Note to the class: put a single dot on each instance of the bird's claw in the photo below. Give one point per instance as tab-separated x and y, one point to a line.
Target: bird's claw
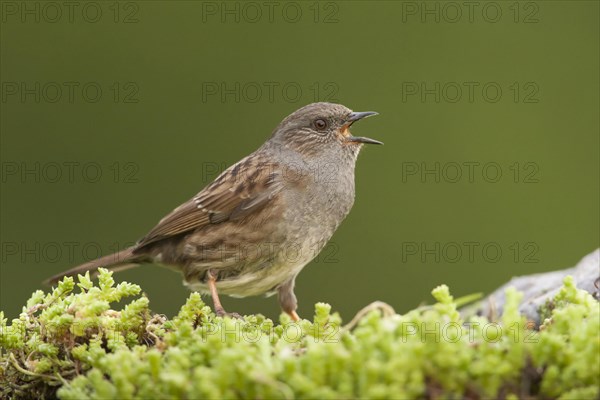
222	313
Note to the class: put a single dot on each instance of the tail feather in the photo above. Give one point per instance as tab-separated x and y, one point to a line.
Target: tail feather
119	261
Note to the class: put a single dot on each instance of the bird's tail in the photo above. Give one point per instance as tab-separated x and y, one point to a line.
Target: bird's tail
119	261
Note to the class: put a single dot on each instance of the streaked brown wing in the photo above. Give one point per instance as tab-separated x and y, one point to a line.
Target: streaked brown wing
239	191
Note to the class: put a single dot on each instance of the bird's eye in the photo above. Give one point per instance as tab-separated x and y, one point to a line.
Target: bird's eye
320	124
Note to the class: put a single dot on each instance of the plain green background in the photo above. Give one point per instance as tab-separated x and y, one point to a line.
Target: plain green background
362	54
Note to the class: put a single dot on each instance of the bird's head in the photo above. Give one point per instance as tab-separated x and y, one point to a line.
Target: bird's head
321	129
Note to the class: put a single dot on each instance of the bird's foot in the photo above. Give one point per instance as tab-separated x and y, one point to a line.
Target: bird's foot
220	311
295	317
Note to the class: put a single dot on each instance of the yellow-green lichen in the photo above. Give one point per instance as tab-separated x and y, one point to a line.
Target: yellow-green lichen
77	346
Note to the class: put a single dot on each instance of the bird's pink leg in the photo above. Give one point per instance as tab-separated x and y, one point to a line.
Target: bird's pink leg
212	285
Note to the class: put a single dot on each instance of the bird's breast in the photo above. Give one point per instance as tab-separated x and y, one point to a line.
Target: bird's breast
317	205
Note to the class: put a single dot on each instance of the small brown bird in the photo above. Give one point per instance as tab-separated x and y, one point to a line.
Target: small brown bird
253	229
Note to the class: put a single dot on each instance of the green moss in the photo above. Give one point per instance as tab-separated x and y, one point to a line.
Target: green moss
77	346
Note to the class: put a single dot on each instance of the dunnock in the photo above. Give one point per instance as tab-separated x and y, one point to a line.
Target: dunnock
253	229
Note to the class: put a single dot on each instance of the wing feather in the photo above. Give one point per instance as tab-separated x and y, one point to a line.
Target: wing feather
238	192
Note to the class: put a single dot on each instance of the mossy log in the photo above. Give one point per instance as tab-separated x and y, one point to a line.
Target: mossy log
75	343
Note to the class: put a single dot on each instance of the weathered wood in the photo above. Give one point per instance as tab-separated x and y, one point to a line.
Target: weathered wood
538	289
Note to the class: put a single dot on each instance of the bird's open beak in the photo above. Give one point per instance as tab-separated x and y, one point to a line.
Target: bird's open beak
352	118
